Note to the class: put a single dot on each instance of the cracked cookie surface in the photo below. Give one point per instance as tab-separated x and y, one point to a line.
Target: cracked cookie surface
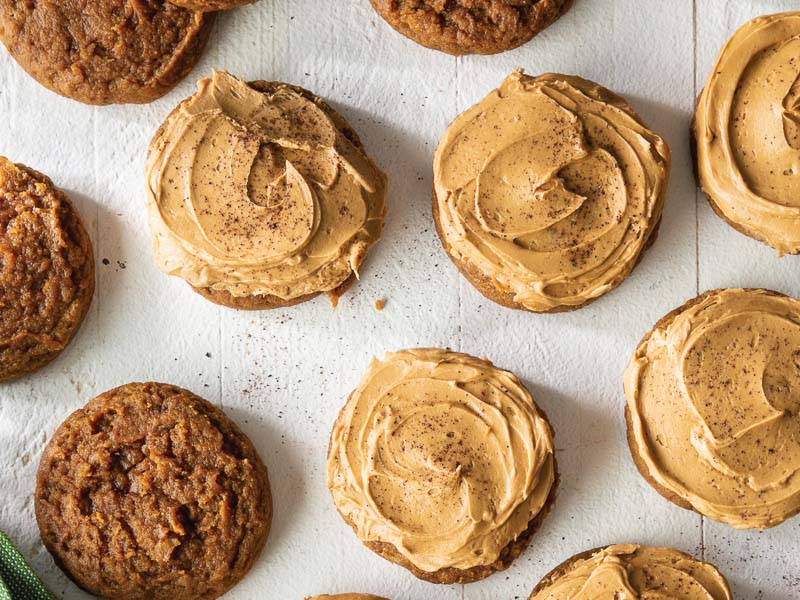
104	51
150	492
470	26
211	5
46	270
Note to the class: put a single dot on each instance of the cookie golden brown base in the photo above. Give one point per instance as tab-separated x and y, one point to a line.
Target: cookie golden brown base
104	51
486	286
47	281
641	466
266	302
473	27
507	555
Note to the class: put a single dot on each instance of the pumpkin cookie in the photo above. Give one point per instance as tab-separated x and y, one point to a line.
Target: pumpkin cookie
443	464
470	26
46	270
746	132
713	398
210	5
548	191
150	492
633	571
261	196
104	51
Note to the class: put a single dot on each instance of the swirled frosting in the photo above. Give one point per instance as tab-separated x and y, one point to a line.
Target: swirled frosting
442	455
714	403
260	193
630	572
747	128
551	187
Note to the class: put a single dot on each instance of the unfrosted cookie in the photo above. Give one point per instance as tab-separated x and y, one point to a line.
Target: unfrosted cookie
46	270
151	493
470	26
104	51
260	195
210	5
443	464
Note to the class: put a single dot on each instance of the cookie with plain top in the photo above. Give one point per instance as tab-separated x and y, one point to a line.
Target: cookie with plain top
104	51
261	196
47	278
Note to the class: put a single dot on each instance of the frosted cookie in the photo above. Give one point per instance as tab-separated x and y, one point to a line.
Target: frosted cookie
104	51
713	397
747	132
150	492
633	571
46	270
547	192
442	463
470	26
260	195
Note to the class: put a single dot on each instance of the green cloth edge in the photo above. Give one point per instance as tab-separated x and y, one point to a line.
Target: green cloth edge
17	579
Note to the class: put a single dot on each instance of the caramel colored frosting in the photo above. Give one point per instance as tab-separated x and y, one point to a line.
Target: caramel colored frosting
260	193
714	403
630	572
551	187
443	456
747	127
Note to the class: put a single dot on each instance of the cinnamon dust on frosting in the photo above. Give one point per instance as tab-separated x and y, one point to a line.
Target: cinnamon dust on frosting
258	193
442	455
714	403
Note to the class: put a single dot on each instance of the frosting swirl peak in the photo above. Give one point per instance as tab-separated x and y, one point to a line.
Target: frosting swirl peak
713	402
631	572
551	187
747	129
443	456
261	192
